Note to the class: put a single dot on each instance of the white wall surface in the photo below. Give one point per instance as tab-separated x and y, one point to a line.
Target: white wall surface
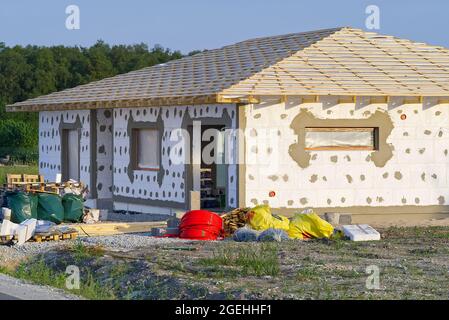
417	174
145	184
50	142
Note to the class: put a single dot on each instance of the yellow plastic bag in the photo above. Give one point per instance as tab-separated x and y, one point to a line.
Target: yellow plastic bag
260	218
308	226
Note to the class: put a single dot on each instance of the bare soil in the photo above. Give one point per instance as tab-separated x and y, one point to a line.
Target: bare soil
413	263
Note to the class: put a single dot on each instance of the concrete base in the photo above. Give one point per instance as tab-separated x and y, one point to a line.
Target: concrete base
135	217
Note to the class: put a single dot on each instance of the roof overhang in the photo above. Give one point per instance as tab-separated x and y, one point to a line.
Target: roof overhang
228	99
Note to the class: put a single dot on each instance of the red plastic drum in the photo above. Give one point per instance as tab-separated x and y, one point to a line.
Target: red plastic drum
201	225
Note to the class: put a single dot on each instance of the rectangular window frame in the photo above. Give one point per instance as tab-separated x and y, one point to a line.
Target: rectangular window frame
135	148
374	130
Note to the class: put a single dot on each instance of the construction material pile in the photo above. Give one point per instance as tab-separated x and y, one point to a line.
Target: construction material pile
28	203
259	224
234	220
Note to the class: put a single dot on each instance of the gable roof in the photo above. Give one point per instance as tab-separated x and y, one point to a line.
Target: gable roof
340	61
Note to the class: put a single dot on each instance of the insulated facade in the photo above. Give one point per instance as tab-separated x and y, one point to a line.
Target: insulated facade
341	120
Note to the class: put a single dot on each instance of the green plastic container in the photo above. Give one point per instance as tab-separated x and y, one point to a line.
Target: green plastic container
49	207
23	205
73	207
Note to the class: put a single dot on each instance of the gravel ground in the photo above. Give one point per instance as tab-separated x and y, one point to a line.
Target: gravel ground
12	254
132	241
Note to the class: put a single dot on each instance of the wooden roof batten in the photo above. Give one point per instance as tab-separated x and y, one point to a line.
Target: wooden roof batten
340	62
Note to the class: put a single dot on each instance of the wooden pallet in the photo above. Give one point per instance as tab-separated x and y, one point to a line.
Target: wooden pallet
43	237
5	239
55	237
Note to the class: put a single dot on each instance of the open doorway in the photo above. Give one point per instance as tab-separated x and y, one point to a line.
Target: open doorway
210	172
213	176
70	151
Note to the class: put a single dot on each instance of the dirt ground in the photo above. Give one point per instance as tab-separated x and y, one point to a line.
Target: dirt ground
413	263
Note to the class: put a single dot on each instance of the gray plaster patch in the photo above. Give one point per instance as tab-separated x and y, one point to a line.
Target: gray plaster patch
334	159
385	175
423	176
417	200
303	201
398	175
441	200
422	150
343	199
349	178
283	116
348	158
257	116
437	113
305	119
440	134
434	176
324	178
273	177
362	177
253	133
404	200
329	201
369	200
254	201
427	132
314	156
407	150
405	134
290	202
313	178
250	177
285	178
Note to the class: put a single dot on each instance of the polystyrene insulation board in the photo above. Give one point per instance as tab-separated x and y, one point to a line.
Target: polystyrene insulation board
361	232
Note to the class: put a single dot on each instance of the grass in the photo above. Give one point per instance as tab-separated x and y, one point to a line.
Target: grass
82	252
39	273
250	261
4	170
412	264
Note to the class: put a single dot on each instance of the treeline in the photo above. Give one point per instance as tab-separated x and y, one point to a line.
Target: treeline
31	71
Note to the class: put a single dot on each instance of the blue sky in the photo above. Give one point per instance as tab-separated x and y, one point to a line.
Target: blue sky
201	24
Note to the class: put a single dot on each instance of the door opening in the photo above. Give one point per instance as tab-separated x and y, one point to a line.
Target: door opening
212	168
70	154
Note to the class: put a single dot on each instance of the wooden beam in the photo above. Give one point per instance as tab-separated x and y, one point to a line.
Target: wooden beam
112	228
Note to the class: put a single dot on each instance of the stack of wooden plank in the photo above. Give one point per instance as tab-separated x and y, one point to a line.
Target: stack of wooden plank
112	228
234	220
36	183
